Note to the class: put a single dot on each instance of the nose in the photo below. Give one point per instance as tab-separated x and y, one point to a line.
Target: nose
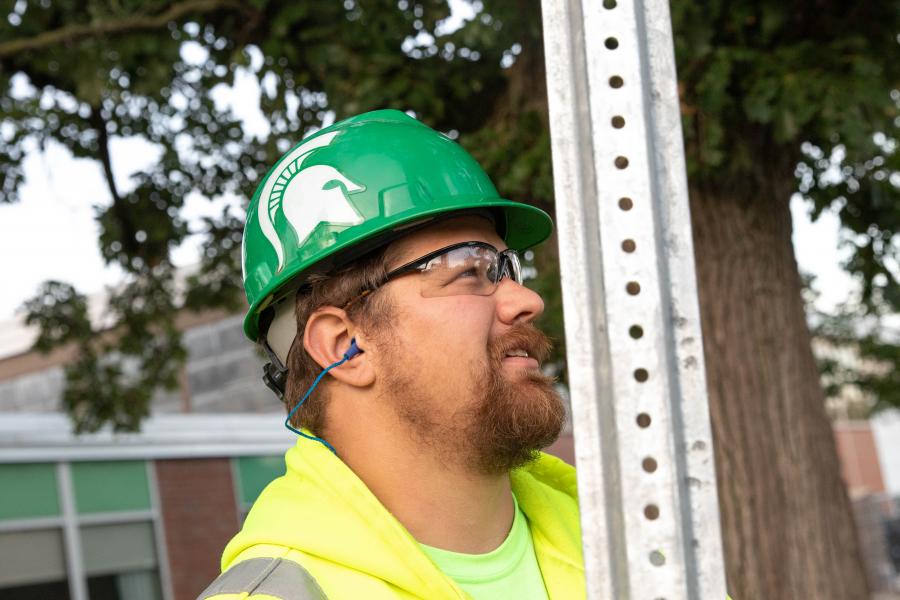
516	303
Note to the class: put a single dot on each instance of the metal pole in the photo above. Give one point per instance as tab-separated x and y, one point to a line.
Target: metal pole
646	473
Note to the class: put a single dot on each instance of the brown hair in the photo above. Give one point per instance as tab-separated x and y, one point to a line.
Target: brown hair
333	289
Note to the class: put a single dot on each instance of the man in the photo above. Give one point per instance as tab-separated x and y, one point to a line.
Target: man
384	284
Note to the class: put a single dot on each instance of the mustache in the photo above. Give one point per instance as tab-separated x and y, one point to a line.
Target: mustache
522	336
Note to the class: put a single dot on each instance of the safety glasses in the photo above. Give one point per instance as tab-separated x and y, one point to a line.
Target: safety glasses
467	268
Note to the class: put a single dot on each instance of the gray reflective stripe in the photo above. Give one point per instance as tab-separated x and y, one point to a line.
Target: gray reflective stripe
276	577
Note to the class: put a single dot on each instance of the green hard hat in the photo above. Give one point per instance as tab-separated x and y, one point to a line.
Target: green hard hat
351	187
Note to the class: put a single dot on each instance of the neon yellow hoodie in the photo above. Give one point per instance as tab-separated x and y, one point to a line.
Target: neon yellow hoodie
322	516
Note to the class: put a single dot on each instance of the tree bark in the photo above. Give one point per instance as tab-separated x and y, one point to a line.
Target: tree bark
787	524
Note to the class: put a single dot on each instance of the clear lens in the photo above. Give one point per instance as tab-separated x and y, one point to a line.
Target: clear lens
469	270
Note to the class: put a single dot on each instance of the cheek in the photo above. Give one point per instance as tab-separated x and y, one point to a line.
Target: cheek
449	332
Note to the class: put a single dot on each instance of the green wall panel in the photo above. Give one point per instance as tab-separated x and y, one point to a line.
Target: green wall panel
110	486
255	473
28	490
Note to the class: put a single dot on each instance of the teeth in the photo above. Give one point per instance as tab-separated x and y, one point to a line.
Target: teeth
517	353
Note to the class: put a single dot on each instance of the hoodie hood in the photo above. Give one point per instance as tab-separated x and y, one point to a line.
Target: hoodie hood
322	509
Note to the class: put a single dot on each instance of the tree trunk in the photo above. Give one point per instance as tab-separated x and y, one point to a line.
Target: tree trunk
787	525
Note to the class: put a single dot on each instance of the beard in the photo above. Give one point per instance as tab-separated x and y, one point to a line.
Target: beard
505	423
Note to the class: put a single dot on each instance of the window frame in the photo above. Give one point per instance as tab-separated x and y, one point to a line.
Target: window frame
69	522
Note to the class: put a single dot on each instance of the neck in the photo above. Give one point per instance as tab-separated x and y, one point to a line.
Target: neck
442	505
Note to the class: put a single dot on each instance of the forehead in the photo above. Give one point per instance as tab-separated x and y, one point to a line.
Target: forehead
469	228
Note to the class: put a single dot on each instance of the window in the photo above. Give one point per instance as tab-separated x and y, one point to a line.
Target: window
85	529
120	561
32	556
33	564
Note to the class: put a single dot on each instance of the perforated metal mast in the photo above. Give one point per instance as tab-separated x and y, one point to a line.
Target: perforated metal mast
650	519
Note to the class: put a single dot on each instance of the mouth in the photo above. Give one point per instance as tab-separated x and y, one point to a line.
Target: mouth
521	348
519	358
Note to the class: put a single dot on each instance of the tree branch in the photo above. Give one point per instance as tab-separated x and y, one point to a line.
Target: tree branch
137	22
99	124
118	208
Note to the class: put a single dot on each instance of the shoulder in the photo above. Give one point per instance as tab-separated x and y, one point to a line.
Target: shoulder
269	578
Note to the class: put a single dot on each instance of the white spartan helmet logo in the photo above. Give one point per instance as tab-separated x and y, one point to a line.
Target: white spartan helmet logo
308	196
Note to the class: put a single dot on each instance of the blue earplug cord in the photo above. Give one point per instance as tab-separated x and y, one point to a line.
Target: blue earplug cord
352	351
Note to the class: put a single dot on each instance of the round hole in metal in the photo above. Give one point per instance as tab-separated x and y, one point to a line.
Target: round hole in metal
643	420
611	43
628	246
609	4
625	203
649	464
621	162
616	82
651	511
636	331
633	288
618	122
641	375
657	558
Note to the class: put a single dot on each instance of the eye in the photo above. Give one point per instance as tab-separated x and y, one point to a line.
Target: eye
491	273
470	276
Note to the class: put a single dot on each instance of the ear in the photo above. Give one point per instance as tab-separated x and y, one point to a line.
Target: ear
327	337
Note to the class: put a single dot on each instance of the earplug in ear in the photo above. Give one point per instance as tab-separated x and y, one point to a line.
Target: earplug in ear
353	350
